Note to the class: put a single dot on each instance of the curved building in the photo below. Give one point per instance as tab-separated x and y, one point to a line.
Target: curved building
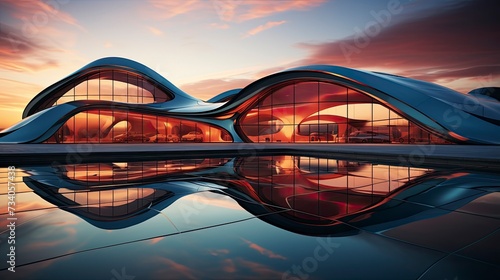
116	100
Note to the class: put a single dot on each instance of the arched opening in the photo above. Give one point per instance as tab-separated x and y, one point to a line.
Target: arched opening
319	111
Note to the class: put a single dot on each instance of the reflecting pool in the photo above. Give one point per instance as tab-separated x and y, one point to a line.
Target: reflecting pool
265	217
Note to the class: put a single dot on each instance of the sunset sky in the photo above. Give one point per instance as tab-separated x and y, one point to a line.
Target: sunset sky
209	46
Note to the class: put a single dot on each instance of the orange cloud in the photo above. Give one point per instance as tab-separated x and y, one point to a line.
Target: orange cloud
14	96
239	11
263	251
165	9
155	31
229	10
219	25
108	45
263	27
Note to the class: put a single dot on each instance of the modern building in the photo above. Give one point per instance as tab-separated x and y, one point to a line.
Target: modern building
116	100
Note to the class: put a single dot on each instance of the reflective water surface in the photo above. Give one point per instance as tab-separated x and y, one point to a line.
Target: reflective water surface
266	217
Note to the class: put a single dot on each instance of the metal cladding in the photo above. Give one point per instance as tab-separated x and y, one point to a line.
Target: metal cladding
472	118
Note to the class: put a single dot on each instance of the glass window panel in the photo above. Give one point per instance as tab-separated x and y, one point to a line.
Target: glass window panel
83	97
355	96
380	112
283	95
225	136
304	110
306	92
120	76
417	135
106	120
359	112
81	89
285	134
120	98
163	127
266	102
252	132
161	98
106	87
94	124
106	97
120	88
285	113
332	92
394	115
93	87
135	120
149	99
65	99
133	99
335	110
149	126
437	140
81	129
382	132
251	117
69	93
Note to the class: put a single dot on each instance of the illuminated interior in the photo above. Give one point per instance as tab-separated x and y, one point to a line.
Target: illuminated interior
116	126
314	111
113	85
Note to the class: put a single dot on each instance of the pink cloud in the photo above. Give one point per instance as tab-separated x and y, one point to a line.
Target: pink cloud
28	47
166	9
16	49
36	13
239	11
263	27
219	25
155	31
461	41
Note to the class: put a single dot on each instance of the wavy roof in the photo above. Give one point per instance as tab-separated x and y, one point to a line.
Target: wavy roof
457	117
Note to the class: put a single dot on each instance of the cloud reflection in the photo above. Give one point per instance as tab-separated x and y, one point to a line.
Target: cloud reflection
263	251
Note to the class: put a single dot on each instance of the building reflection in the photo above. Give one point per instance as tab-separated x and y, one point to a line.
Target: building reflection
306	195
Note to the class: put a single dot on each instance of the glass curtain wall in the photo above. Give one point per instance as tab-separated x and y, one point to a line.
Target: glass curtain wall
312	111
114	85
115	126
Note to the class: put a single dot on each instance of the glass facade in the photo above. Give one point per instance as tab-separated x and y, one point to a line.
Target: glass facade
116	126
114	85
313	111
